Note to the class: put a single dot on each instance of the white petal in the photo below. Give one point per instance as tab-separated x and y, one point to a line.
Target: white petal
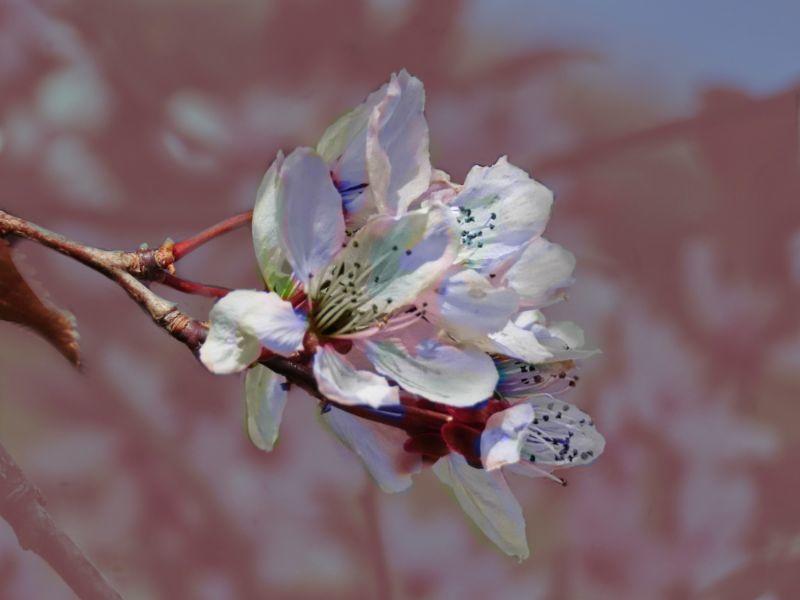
528	318
568	332
537	344
436	371
265	398
398	162
242	323
560	435
500	210
541	273
385	267
440	191
379	446
339	380
399	137
266	231
468	306
487	499
518	343
504	435
309	211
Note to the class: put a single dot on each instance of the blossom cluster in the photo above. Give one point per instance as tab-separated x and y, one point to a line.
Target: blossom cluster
417	299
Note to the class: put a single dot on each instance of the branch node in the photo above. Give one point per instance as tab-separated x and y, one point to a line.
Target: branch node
147	263
184	328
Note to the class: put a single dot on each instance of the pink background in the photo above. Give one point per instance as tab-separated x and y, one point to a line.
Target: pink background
675	166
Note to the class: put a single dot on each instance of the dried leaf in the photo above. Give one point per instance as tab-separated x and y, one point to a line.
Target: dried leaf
20	304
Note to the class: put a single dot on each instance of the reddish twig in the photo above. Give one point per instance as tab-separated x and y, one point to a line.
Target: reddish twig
191	287
184	247
22	506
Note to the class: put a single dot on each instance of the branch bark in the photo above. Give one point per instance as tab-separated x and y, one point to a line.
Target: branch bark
22	506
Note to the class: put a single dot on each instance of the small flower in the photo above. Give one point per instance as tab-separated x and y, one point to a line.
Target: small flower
503	262
530	438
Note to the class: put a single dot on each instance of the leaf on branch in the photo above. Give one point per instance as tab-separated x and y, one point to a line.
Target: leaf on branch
20	304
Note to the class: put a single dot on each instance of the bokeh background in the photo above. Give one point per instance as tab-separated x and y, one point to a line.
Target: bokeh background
669	132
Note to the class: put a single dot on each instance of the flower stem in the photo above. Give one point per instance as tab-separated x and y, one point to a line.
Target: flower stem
184	247
192	287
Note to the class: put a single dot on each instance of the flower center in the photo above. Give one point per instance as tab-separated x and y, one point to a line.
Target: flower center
551	437
474	226
519	379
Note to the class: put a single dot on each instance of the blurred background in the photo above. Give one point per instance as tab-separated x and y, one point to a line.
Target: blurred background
669	133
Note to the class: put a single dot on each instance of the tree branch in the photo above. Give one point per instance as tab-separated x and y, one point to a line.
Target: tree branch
22	506
128	269
131	271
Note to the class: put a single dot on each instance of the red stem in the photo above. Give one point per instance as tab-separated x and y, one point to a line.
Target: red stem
192	287
184	247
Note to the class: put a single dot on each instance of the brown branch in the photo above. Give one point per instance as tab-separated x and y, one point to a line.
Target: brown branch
22	506
141	263
130	270
127	269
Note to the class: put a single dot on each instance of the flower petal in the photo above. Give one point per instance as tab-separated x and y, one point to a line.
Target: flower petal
438	372
560	435
468	306
504	435
275	269
518	343
242	323
309	211
392	117
563	340
339	380
500	210
379	446
541	273
398	162
487	499
385	267
265	398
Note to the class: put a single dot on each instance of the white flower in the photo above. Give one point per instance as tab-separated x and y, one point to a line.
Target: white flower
503	262
531	438
355	287
386	278
539	435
